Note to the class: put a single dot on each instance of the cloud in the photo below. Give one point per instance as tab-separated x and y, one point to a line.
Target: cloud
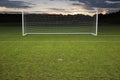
113	2
13	4
99	3
59	5
57	9
77	3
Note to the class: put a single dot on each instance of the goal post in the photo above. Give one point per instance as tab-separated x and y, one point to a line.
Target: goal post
23	29
60	22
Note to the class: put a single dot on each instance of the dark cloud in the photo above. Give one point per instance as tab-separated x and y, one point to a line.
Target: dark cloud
113	2
57	9
13	4
98	3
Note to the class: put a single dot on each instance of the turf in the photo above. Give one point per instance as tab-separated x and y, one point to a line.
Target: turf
60	57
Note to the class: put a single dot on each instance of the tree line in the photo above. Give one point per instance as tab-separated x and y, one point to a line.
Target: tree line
109	19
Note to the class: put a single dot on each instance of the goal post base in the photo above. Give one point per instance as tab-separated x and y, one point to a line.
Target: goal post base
60	34
94	34
24	34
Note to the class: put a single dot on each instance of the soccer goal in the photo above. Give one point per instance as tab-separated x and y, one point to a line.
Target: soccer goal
60	22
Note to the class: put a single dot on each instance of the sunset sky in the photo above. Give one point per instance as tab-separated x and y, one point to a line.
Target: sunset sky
104	6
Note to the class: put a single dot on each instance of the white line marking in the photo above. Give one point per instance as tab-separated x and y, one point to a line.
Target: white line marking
62	35
108	35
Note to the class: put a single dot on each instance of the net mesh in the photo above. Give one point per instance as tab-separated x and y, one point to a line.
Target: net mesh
46	22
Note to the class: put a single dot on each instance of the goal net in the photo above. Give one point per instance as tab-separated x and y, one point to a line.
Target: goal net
60	22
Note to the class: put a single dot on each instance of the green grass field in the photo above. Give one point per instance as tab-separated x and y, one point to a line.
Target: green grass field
60	57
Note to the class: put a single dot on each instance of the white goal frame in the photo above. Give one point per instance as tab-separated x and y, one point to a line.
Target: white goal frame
96	26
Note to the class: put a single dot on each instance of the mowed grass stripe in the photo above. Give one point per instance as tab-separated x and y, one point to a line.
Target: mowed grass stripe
67	41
